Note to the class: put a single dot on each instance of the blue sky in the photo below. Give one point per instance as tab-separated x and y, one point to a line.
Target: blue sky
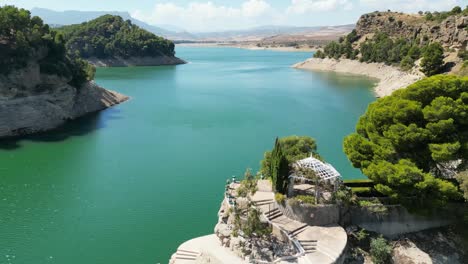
216	15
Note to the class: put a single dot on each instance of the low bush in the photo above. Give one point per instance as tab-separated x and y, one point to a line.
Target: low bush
306	199
380	250
280	198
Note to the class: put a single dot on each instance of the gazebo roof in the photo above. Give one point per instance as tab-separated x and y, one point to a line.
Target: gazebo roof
322	169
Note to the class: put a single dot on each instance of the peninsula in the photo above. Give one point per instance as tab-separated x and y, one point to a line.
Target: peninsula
110	41
42	85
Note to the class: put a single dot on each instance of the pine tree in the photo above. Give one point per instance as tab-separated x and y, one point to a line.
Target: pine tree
433	59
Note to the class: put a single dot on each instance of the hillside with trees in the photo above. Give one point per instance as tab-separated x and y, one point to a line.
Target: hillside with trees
110	36
427	41
42	84
24	39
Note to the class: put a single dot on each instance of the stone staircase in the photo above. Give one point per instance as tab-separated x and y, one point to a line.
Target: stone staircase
297	231
310	246
273	214
184	256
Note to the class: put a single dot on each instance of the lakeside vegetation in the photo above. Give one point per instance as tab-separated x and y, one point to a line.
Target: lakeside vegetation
24	39
410	142
110	36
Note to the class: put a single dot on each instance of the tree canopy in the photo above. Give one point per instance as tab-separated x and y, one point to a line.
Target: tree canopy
24	38
287	150
433	59
294	148
111	36
409	141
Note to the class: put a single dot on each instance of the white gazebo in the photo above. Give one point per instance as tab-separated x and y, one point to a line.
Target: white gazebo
324	171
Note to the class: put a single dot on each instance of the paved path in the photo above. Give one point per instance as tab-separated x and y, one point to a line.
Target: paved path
208	249
322	244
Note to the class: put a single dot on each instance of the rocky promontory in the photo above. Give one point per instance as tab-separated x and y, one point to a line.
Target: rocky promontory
31	101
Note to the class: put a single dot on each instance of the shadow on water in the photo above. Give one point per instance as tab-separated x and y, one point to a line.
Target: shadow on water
345	79
74	128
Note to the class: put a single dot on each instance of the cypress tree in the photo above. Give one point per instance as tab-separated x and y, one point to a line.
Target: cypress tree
274	163
279	169
283	173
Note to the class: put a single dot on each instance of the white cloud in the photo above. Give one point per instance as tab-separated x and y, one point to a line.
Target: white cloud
207	16
309	6
253	8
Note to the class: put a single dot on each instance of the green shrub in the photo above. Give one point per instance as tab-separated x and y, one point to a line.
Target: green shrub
463	54
380	250
374	206
280	198
253	225
248	186
361	235
306	199
462	179
344	196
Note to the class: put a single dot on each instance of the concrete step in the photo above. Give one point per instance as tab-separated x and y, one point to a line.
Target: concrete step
272	211
186	258
186	254
298	230
309	247
261	201
274	216
188	251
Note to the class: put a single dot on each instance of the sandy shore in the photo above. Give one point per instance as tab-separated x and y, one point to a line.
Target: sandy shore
390	78
248	46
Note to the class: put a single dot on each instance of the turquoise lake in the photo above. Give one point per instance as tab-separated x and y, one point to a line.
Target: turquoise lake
129	184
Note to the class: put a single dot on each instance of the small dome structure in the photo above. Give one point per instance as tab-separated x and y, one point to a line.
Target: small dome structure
323	170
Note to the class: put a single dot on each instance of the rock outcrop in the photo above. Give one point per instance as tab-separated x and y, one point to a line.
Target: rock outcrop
31	101
136	61
451	32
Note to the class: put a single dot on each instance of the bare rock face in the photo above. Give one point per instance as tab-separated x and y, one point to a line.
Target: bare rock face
31	102
136	61
450	33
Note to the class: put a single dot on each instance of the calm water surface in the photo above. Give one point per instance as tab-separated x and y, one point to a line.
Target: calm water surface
129	184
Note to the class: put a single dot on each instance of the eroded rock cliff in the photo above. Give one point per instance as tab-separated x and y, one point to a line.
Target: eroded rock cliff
31	101
452	32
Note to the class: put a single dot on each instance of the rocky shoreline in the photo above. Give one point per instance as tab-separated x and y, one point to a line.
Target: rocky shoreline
31	101
136	61
47	111
390	78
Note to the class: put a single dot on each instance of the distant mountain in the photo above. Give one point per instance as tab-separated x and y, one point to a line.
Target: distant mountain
70	17
171	32
271	31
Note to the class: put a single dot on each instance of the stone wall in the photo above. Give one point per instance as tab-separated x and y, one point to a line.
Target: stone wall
320	215
397	220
